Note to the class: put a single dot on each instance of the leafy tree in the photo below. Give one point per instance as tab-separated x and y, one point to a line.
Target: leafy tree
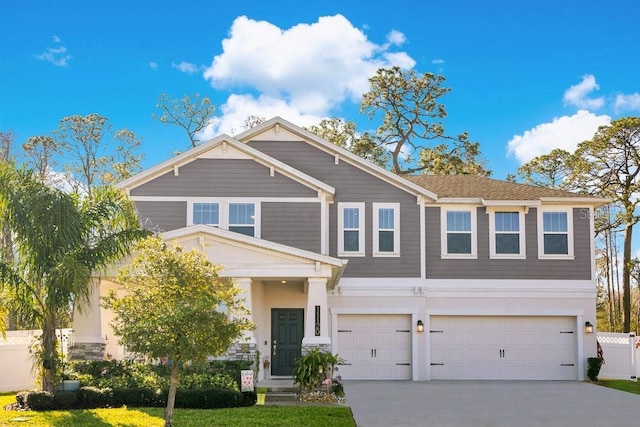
88	142
412	115
344	134
41	152
252	121
186	306
609	165
548	170
7	140
190	113
61	241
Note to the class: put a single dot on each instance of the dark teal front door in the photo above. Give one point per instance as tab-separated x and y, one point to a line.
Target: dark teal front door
287	328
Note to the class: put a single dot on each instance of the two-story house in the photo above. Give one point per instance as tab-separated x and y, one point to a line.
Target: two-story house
409	278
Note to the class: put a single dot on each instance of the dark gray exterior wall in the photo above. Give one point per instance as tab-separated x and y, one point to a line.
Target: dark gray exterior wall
292	224
354	185
223	178
162	216
530	268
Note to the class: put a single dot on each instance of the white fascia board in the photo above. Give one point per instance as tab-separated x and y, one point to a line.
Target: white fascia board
460	200
348	156
525	203
257	156
194	230
590	201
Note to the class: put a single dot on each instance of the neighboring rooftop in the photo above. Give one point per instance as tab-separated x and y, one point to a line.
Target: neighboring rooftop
474	186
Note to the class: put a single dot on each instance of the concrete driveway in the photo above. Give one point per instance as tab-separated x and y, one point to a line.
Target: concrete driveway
490	403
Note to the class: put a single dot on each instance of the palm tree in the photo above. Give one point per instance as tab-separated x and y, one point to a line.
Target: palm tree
61	242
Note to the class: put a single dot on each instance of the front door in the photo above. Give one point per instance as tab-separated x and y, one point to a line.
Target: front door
287	328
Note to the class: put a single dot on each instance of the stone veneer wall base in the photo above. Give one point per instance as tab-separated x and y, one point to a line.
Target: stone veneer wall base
87	351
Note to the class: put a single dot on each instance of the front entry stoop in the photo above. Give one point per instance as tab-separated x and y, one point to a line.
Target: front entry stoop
280	391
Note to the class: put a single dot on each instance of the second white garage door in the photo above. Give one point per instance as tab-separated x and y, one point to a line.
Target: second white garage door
508	347
375	347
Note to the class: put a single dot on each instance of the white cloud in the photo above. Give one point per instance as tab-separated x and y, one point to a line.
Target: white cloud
186	67
577	95
153	65
56	39
629	102
396	38
564	132
239	107
437	61
312	67
57	56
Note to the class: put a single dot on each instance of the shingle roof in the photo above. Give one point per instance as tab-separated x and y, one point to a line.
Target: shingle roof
474	186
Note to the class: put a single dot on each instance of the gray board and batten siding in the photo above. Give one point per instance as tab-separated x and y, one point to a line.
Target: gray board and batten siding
162	216
352	184
530	268
223	178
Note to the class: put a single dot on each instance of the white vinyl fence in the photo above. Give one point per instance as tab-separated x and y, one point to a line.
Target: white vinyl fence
16	363
621	355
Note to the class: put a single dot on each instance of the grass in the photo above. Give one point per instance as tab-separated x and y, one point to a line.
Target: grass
338	416
622	385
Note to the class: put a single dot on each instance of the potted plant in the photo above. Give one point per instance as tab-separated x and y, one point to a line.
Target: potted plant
261	393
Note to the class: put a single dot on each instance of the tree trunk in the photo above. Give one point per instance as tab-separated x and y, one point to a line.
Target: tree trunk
626	278
171	399
48	363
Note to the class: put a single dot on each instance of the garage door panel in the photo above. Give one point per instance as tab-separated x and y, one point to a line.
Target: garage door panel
503	347
377	346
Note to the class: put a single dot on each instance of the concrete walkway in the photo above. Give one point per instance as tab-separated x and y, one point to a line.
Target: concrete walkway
490	403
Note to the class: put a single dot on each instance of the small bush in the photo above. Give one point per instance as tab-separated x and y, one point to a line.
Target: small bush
136	397
250	398
593	368
64	399
37	400
94	397
209	398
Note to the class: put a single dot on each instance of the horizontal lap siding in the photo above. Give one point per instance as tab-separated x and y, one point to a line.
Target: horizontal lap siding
162	216
292	224
223	178
355	185
518	269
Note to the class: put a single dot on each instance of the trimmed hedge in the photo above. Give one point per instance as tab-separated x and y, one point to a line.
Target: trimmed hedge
92	397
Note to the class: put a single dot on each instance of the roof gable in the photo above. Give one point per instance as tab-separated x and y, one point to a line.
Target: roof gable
223	147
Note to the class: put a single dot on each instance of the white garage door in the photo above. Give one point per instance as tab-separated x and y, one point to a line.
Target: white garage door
374	347
509	347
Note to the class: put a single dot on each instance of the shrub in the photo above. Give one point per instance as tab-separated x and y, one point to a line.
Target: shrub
36	400
593	368
250	398
208	398
94	397
313	368
137	397
64	399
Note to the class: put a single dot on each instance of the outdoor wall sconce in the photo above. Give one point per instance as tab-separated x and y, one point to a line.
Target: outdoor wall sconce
588	328
420	326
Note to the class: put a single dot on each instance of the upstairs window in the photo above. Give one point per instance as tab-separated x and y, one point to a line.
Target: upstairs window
351	229
239	217
206	213
459	233
507	234
555	234
242	218
386	229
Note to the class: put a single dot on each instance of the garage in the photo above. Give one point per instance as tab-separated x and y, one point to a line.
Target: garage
375	346
503	347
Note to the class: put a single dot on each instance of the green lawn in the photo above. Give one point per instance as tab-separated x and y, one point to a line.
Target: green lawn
251	416
622	385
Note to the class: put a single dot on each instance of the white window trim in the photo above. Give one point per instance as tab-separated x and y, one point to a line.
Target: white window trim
224	212
491	211
396	229
474	231
569	212
361	240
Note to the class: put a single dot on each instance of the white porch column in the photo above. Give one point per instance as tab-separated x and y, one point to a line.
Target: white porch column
88	342
244	283
316	322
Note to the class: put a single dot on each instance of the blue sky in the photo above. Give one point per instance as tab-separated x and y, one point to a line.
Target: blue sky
525	77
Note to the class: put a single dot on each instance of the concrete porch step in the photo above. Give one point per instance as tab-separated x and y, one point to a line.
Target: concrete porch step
280	391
